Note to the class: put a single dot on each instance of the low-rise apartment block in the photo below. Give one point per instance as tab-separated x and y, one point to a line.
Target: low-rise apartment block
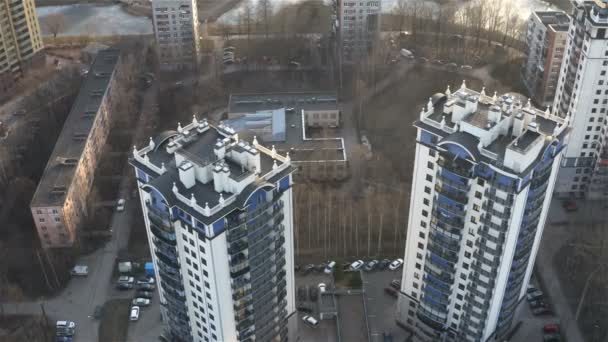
305	125
545	48
60	202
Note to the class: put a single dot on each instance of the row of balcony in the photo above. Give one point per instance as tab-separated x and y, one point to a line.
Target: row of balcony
453	195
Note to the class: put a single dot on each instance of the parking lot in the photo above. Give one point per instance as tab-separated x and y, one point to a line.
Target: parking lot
326	330
381	306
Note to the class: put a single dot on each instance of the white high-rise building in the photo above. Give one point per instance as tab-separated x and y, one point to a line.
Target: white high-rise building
545	47
582	96
176	29
219	216
359	27
483	177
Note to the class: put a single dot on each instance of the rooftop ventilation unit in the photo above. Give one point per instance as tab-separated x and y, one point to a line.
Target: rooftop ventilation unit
58	190
67	161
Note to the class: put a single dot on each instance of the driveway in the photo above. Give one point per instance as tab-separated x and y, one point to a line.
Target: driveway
381	307
78	300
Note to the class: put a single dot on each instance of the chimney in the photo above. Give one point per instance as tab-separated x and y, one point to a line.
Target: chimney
186	174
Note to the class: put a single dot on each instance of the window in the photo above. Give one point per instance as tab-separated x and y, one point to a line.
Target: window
419	256
461	286
475	207
429	178
430	165
39	212
425	201
421	235
201	249
41	219
473	220
469	243
467	254
455	316
463	276
418	266
413	305
208	295
465	265
420	245
478	194
480	182
425	213
422	224
414	295
427	190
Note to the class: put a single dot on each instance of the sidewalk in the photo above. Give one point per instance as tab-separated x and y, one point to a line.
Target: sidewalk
554	237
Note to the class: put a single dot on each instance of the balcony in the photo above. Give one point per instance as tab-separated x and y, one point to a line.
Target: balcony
161	219
453	195
170	261
457	166
237	247
163	236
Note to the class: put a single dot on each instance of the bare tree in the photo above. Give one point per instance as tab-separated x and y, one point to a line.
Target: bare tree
264	14
55	23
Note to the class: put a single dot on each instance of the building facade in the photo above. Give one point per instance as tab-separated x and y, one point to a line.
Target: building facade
60	202
359	28
20	39
545	47
219	216
484	166
582	96
176	28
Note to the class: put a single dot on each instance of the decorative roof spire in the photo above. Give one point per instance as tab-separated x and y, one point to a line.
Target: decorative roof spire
163	169
287	158
464	85
134	150
274	151
174	188
495	97
548	112
221	200
179	127
194	121
483	91
529	104
192	200
448	92
255	140
151	143
274	165
429	105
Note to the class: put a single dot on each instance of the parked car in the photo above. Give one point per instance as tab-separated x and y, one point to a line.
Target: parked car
126	279
531	288
322	288
65	328
313	292
423	60
371	265
134	316
569	206
120	205
452	66
64	338
80	270
534	295
320	267
20	112
391	292
395	264
293	64
144	294
345	266
229	48
124	286
330	267
541	311
355	266
147	286
313	322
98	312
383	264
552	328
145	280
466	67
552	338
396	284
537	304
308	268
141	302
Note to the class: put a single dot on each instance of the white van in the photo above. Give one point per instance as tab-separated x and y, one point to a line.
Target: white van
310	321
134	313
330	267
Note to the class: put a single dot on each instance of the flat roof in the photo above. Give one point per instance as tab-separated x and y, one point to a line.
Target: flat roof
251	103
67	153
304	144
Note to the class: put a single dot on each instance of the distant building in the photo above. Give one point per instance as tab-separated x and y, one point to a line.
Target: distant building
301	124
483	177
176	29
60	202
358	27
582	97
219	217
20	39
545	48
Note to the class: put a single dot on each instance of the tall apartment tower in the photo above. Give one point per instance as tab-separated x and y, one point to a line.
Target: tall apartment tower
359	27
545	47
484	166
176	29
582	97
219	217
19	38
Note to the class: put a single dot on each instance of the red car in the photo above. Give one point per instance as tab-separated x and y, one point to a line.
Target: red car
569	206
551	328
